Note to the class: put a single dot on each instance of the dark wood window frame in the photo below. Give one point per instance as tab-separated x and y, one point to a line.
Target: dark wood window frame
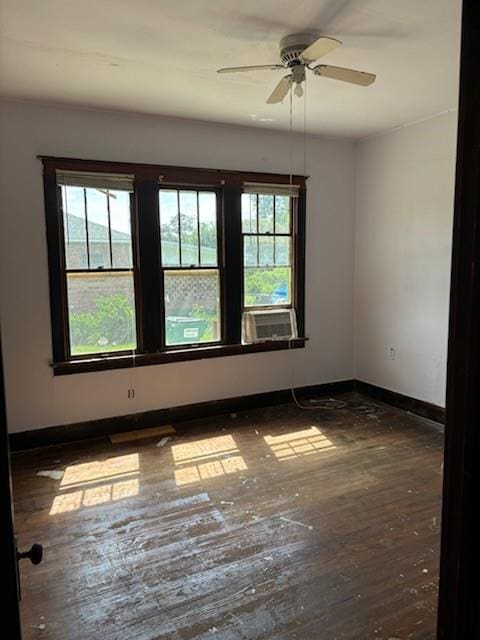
100	270
220	268
273	234
148	270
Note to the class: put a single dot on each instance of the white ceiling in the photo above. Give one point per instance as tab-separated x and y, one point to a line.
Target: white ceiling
160	57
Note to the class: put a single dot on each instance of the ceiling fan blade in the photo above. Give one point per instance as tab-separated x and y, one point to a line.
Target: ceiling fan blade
280	91
260	67
319	48
346	75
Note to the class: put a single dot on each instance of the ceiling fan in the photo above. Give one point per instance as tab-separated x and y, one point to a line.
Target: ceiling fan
297	53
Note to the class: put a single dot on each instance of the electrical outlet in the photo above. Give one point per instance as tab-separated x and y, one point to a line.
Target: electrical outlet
391	353
131	394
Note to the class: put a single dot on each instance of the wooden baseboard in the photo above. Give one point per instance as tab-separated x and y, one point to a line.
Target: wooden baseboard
118	424
406	403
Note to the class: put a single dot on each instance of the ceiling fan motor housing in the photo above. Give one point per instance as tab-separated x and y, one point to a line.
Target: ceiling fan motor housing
292	46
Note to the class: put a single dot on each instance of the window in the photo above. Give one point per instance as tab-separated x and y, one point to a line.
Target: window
160	262
191	274
97	231
267	248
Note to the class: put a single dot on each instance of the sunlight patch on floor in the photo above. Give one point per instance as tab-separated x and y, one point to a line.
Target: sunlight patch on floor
90	472
206	458
93	483
299	443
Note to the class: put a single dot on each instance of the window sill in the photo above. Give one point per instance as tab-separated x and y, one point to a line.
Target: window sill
123	361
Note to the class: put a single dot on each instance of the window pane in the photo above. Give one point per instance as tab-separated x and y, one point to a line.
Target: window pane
168	203
121	226
74	228
282	214
98	235
265	252
192	307
267	286
250	251
283	250
249	213
267	257
265	214
101	312
207	203
189	228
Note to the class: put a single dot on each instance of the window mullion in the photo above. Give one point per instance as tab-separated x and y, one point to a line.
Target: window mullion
87	239
107	195
258	231
274	229
198	232
232	221
179	230
150	275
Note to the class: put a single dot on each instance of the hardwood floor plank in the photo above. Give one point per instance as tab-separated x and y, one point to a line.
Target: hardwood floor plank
271	525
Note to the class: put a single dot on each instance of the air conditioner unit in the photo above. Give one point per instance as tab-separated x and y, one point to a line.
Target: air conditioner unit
270	324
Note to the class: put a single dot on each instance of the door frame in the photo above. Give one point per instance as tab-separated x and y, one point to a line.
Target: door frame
8	549
459	601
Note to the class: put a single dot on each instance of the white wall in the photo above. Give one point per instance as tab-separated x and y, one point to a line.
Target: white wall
34	397
402	269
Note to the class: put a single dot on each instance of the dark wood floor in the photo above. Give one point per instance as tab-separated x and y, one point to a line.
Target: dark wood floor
273	524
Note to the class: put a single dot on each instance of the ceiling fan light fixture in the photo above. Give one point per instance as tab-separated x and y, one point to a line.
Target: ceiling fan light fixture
298	91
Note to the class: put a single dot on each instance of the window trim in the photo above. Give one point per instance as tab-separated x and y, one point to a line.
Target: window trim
293	248
220	267
148	270
65	271
170	355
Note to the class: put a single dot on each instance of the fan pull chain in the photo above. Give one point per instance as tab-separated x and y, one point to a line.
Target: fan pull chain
291	135
292	386
305	127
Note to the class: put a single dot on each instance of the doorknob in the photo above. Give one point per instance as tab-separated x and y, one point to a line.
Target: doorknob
35	553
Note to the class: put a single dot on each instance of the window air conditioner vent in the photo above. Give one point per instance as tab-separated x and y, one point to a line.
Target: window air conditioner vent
271	324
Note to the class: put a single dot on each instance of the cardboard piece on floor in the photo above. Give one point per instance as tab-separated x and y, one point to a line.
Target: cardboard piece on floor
142	434
54	474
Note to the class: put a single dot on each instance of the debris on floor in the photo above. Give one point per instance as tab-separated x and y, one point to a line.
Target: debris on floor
142	434
235	617
41	627
54	474
163	441
248	482
299	524
327	403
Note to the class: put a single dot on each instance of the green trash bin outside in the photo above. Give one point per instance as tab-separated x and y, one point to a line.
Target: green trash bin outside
183	330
